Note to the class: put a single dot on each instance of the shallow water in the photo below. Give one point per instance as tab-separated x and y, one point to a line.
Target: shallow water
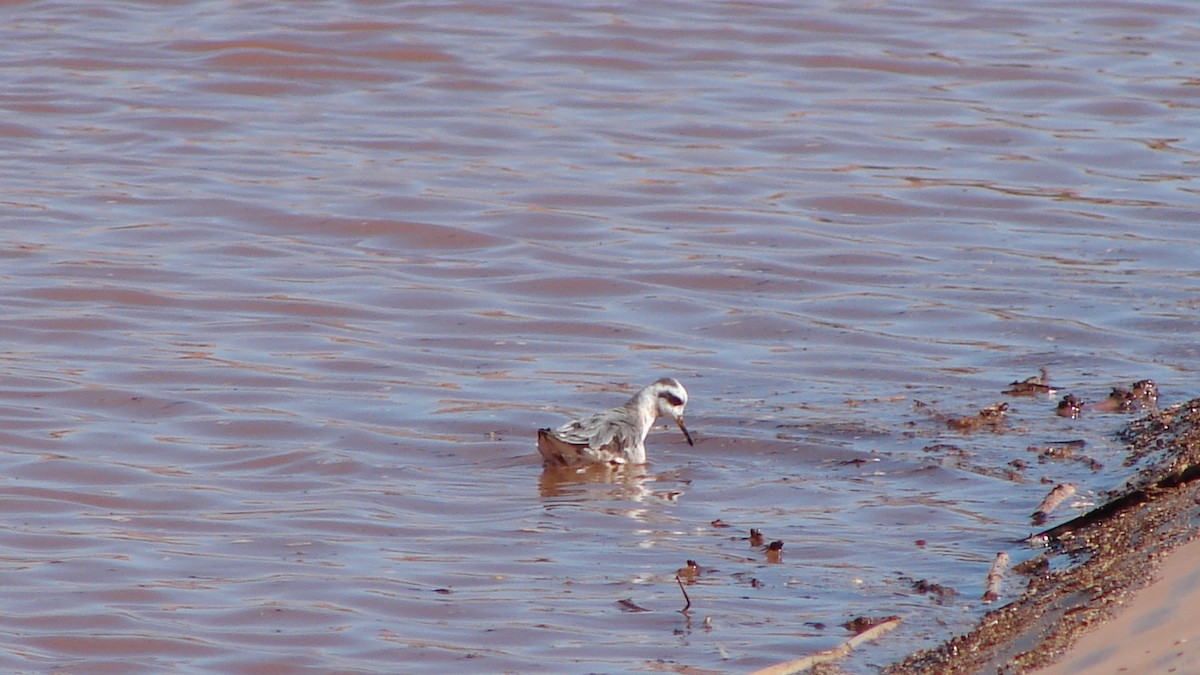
289	288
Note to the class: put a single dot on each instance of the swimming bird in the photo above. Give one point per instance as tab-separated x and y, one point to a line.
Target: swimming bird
615	436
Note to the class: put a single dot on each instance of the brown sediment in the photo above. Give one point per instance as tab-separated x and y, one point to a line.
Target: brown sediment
1116	547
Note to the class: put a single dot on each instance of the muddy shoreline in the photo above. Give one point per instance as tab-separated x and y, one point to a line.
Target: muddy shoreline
1111	553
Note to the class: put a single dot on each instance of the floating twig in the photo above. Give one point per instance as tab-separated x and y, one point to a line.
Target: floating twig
685	595
1116	506
689	571
994	576
876	629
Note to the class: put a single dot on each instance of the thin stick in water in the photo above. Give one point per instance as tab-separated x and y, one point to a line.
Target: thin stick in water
685	595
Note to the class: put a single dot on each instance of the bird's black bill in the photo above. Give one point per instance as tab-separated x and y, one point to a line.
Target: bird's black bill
682	428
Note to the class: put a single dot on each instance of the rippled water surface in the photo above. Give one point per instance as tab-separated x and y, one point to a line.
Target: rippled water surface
288	288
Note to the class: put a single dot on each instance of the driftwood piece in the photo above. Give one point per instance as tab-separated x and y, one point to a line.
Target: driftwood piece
1060	492
877	629
1119	505
995	576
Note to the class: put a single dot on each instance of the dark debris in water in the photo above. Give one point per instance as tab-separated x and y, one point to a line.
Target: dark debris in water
940	594
1112	550
628	605
1070	406
863	624
689	572
1037	385
775	552
1085	566
1142	396
951	455
756	537
1065	451
991	418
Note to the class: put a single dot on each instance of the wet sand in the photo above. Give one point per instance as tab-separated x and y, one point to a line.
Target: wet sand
1158	632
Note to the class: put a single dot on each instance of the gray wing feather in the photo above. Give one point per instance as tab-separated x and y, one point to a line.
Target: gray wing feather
609	431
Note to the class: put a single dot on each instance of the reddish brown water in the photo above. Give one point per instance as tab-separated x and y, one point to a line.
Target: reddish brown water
289	287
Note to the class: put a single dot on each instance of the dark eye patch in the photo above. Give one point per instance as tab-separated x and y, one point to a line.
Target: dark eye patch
671	398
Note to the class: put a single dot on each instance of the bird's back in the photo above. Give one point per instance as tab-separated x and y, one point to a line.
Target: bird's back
609	436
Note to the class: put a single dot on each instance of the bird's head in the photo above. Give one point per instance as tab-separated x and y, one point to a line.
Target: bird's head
671	398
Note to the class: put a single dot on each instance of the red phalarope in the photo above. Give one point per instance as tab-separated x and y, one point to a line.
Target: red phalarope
615	436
